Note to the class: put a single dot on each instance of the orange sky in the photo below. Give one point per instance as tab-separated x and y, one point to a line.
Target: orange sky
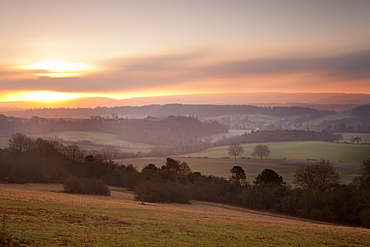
52	50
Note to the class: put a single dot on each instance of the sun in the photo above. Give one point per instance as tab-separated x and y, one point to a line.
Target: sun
58	69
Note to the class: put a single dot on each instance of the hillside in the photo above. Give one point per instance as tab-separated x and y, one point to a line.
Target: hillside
40	215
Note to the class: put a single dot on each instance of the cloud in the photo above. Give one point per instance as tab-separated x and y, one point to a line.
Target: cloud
354	65
197	70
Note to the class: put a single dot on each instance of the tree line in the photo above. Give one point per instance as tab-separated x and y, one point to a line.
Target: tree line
316	192
279	136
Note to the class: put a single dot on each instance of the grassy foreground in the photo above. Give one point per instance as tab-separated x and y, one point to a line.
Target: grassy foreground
42	216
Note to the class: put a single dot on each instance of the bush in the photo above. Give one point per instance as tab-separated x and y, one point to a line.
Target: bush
86	186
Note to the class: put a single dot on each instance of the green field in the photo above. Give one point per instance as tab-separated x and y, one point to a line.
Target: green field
40	215
299	150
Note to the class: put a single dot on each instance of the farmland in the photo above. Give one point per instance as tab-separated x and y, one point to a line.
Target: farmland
42	216
299	150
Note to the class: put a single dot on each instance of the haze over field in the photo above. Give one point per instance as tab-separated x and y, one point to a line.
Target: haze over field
207	50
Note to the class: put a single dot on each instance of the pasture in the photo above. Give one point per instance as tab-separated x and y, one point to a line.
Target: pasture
40	215
337	152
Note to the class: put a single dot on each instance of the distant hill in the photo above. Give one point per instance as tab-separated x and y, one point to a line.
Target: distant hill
321	101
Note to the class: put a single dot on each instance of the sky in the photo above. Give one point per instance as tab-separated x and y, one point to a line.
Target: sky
51	50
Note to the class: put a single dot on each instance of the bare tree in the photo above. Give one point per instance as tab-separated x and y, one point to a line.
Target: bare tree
316	177
74	153
235	150
19	143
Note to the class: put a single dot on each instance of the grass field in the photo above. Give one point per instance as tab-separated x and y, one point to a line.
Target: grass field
299	150
252	167
42	216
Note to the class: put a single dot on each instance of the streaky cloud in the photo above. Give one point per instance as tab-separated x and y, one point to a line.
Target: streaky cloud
353	65
195	69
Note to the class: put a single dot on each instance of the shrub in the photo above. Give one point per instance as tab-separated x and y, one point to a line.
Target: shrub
86	186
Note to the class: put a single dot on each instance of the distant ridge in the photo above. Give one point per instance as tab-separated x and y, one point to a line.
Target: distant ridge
320	101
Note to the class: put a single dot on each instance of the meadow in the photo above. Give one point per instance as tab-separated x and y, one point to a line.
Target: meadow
337	152
40	215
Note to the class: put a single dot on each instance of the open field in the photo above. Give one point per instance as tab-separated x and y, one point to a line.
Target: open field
252	167
299	150
42	216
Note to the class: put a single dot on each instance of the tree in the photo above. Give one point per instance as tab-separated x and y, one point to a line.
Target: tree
141	190
238	175
338	137
20	143
235	150
268	177
260	151
366	172
356	139
363	181
317	177
74	153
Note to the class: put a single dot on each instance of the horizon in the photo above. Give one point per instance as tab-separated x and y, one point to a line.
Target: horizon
55	53
318	101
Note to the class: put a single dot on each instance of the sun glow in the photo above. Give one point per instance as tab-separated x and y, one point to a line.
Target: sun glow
47	96
58	69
